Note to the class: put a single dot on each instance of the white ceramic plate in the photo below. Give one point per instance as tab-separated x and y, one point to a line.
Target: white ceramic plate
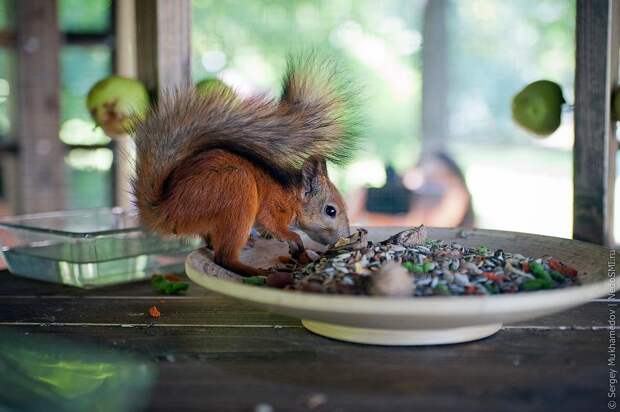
422	320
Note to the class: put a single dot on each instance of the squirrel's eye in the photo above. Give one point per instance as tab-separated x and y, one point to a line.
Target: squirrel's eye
330	211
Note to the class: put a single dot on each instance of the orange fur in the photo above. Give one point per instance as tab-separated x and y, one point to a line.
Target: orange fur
221	196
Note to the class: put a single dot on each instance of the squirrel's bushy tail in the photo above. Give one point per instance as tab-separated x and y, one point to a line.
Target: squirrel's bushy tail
315	118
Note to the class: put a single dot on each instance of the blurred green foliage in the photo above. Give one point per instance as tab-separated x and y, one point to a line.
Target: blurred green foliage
495	49
6	97
92	16
89	179
94	63
377	42
88	172
6	15
6	72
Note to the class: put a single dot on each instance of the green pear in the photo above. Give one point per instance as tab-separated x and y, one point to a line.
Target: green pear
538	107
207	85
113	101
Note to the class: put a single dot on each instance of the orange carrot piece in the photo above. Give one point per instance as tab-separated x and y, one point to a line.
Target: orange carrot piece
525	265
562	268
493	276
154	312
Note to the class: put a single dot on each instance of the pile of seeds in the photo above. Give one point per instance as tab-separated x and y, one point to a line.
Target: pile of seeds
408	264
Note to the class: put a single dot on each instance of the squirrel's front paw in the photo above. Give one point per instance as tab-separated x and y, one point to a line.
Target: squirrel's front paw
295	248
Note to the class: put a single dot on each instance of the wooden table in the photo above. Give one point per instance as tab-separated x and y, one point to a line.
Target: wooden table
215	354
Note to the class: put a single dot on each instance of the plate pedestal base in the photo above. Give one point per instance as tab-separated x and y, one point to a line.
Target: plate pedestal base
396	337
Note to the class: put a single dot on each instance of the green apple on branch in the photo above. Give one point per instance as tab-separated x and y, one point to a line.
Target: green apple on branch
206	86
114	101
538	107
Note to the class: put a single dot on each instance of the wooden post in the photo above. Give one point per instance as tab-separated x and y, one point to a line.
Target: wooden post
40	167
126	38
163	38
434	77
596	75
125	66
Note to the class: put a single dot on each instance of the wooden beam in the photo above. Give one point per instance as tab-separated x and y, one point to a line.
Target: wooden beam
434	77
163	38
7	38
40	167
124	150
594	155
126	38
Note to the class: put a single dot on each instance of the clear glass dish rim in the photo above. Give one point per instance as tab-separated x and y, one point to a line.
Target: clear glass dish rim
61	213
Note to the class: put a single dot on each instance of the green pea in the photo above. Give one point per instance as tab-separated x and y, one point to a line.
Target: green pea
548	283
540	273
557	276
491	288
409	266
532	284
255	280
442	289
536	284
536	268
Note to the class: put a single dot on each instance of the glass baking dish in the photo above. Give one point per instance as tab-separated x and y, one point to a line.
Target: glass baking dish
88	248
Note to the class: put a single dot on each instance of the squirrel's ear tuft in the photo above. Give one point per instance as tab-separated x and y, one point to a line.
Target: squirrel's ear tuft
311	174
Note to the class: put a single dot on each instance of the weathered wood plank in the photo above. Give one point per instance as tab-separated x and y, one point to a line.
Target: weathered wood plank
236	368
214	310
210	310
596	74
164	39
31	301
40	166
15	285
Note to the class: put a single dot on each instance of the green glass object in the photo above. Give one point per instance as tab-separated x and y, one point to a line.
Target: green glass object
44	373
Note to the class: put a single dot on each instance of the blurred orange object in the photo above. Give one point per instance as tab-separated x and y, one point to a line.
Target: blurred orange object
154	312
433	193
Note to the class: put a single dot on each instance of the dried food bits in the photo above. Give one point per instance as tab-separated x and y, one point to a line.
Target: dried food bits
356	266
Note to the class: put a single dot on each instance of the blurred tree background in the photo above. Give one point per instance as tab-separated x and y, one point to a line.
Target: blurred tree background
377	42
88	170
494	48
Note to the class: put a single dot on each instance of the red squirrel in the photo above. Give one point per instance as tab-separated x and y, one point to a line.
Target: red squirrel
216	165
